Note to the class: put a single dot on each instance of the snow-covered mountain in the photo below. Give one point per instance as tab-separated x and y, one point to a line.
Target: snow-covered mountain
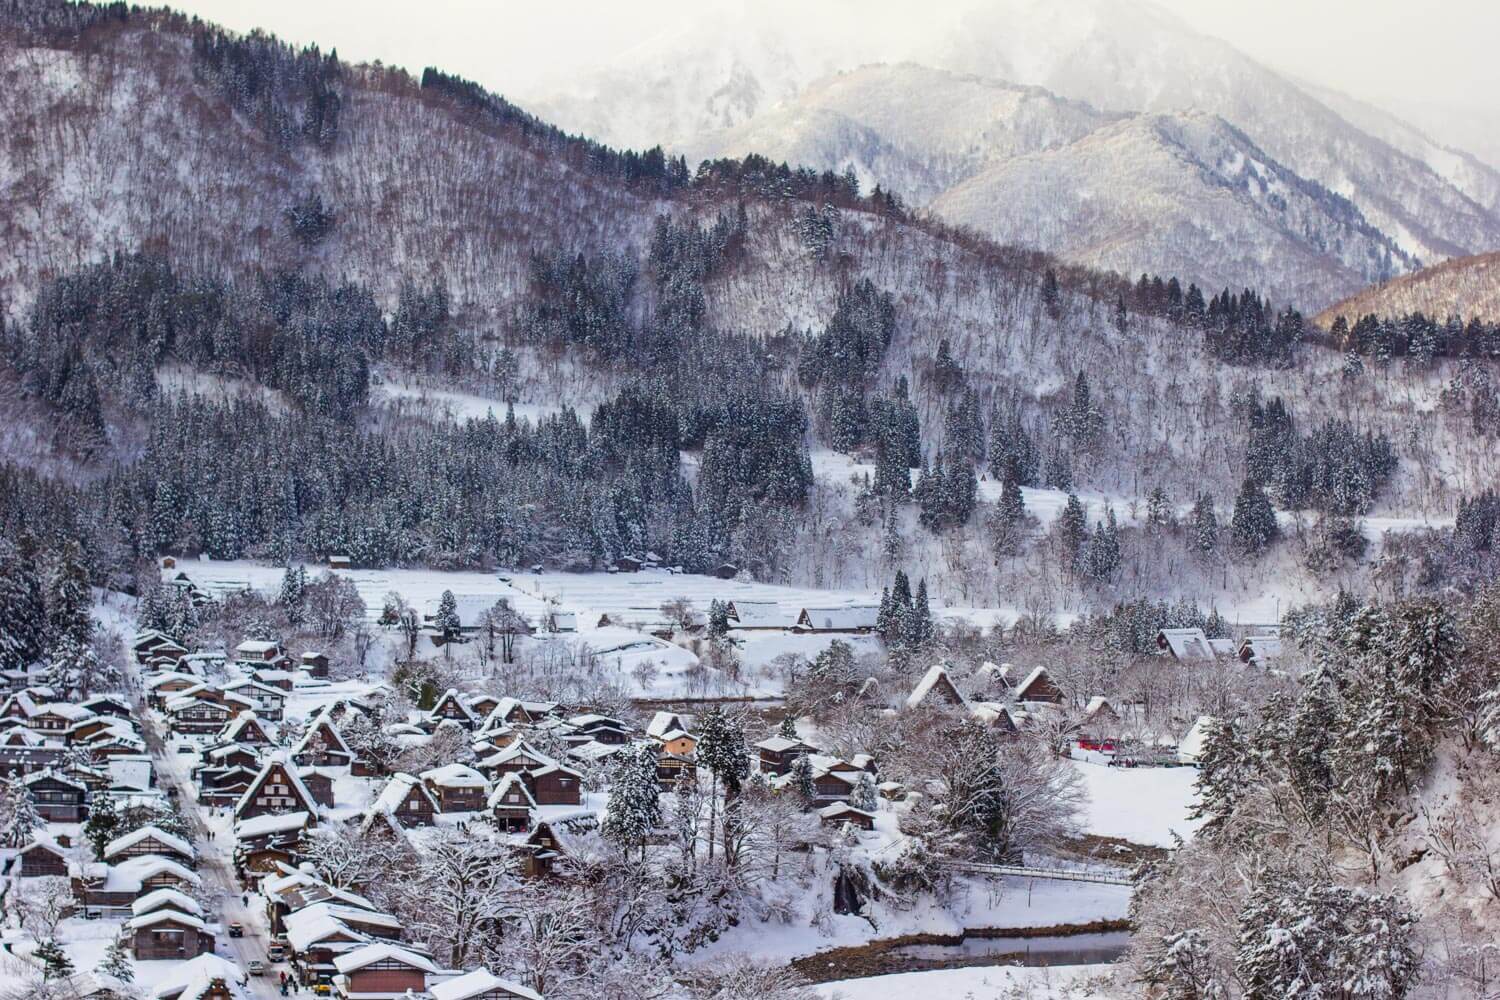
1468	287
761	81
1187	192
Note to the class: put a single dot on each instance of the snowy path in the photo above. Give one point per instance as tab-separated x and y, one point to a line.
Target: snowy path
215	866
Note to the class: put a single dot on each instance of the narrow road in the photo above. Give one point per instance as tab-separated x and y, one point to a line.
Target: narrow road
215	867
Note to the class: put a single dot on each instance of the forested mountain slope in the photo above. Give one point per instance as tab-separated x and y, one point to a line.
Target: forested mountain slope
1466	286
192	209
1118	57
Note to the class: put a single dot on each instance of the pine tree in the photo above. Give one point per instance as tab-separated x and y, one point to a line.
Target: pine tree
103	824
22	608
293	593
1072	529
1253	523
1101	558
55	961
1205	525
921	632
864	795
788	728
801	776
1223	776
634	798
117	964
69	599
22	820
718	619
721	748
1158	508
446	622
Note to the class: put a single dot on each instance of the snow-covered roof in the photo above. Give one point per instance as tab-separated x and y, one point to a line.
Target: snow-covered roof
662	723
510	783
937	679
455	776
312	924
845	618
760	614
1037	674
1097	704
518	749
478	983
261	826
1188	643
163	917
65	710
395	792
379	952
165	898
192	978
130	875
149	832
1191	747
840	809
323	723
291	774
256	647
781	744
1260	648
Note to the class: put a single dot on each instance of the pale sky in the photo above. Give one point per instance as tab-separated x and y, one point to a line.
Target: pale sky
1417	58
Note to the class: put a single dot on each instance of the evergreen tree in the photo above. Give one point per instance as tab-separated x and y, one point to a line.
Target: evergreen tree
721	748
293	594
21	821
921	632
1158	508
1223	776
1253	524
55	962
634	798
1072	529
802	780
864	795
103	824
1008	519
22	608
445	621
718	619
117	964
788	728
1083	422
1101	557
69	599
1205	525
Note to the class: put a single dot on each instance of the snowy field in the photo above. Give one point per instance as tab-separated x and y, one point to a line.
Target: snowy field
629	600
1144	805
982	983
444	403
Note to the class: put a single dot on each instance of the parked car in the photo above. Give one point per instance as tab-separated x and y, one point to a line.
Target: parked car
276	953
256	967
237	930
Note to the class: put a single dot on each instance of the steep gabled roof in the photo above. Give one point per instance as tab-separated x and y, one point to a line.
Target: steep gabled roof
478	983
381	951
938	685
152	833
512	782
309	804
396	791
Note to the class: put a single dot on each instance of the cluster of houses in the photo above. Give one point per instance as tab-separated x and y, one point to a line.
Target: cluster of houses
1191	645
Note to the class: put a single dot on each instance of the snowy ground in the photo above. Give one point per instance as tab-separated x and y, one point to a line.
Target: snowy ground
628	599
444	403
982	983
1144	805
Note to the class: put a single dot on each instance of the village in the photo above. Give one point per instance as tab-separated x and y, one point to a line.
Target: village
182	830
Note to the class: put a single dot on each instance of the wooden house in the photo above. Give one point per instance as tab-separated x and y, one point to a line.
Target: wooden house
246	730
257	651
518	758
759	616
598	728
207	977
778	753
457	788
840	813
1100	727
671	767
57	797
511	804
202	714
276	789
936	690
381	971
323	745
151	841
319	784
480	984
39	859
450	707
104	885
268	701
167	935
552	841
851	620
407	800
314	664
515	712
1039	688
